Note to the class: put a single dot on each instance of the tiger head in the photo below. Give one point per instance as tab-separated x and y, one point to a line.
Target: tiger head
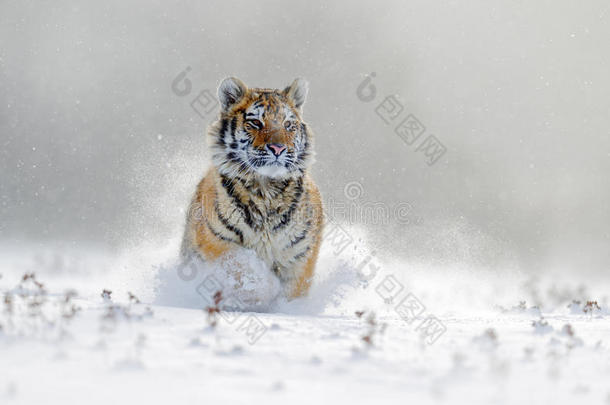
260	131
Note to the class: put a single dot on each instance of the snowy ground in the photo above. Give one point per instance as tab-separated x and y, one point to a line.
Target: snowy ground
61	347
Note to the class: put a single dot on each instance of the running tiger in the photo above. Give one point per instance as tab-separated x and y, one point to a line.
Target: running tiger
258	193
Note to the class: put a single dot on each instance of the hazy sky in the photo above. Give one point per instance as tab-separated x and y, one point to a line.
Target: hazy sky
96	147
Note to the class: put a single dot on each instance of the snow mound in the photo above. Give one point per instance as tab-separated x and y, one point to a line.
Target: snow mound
244	281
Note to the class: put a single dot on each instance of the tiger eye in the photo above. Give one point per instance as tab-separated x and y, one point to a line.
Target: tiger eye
255	124
290	125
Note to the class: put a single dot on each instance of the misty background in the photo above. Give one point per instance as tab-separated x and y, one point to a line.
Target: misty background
96	148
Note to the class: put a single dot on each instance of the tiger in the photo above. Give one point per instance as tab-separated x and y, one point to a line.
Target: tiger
258	193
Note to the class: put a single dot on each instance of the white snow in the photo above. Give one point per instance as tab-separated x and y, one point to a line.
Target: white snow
501	343
243	279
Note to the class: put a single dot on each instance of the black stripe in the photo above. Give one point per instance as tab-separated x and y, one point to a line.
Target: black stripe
300	255
301	236
218	234
304	152
221	133
278	187
232	156
293	205
284	186
253	210
250	188
226	223
229	187
233	125
245	184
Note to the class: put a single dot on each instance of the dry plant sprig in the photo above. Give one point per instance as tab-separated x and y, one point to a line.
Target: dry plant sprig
491	334
568	330
214	310
373	327
68	308
132	298
591	306
8	304
32	278
33	294
31	311
106	295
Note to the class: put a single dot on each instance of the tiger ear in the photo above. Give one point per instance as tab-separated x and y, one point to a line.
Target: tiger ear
230	91
297	92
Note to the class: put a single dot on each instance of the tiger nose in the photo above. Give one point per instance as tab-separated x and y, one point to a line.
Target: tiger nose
276	148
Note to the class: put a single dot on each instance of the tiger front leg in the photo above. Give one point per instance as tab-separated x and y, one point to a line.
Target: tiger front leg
297	279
